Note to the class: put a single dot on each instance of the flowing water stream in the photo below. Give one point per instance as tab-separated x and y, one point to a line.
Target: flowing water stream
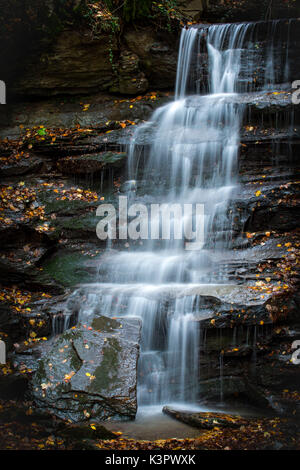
192	159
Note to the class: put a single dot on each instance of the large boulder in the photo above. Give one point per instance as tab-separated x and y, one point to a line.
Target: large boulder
90	372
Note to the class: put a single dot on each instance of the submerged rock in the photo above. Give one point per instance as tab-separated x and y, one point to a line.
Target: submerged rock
90	372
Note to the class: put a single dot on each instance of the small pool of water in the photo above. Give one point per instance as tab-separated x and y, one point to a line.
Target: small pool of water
152	424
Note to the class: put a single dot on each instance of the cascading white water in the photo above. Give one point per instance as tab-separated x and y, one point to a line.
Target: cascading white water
192	159
195	151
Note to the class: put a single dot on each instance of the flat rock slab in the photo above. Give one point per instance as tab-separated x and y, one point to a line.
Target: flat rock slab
92	163
16	167
272	101
89	373
205	420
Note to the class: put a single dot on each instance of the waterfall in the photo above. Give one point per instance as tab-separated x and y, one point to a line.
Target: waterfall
194	152
192	159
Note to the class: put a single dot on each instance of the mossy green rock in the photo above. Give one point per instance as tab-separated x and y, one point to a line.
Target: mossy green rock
90	372
69	268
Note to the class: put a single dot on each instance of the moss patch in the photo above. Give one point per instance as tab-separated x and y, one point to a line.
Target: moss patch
105	324
68	268
107	373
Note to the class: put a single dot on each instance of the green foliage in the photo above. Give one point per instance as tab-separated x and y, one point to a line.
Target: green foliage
161	13
167	13
42	131
136	9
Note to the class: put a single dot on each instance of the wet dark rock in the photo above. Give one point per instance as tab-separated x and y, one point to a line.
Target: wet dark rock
77	228
18	325
69	267
273	101
115	140
24	166
24	248
247	10
16	236
205	420
280	217
285	404
91	163
15	270
256	367
131	80
260	106
90	373
103	114
118	138
228	313
13	387
81	63
9	322
232	386
78	63
243	351
83	432
157	54
21	260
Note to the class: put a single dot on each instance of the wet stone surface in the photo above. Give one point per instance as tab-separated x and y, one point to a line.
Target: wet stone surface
90	372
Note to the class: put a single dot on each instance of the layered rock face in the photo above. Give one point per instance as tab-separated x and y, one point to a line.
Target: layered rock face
80	64
77	64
